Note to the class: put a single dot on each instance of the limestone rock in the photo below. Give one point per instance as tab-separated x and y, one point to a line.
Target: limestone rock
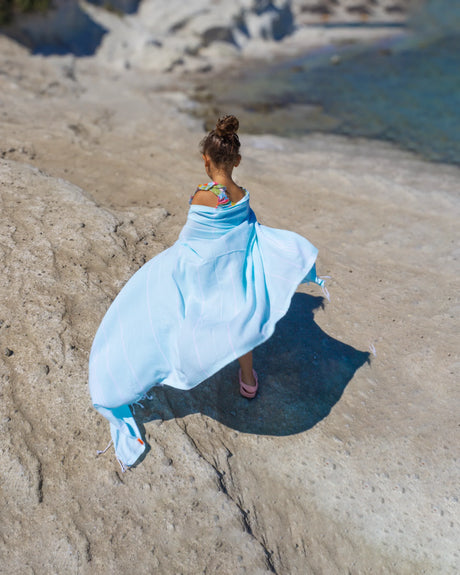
164	36
63	260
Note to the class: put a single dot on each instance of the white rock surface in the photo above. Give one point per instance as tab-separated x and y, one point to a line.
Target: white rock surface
189	36
339	466
62	509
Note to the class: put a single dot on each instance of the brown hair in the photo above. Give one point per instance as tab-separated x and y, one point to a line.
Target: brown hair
222	144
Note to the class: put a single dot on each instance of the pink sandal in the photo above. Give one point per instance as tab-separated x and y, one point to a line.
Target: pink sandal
246	390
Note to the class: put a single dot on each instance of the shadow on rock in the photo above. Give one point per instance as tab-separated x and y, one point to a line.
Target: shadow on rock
64	29
303	373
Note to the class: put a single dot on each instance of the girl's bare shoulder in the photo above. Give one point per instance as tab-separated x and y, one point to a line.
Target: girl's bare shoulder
204	198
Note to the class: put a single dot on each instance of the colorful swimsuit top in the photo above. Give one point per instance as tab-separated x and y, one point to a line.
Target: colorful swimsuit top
223	201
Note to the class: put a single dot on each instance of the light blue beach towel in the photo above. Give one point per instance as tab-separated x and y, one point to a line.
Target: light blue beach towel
211	297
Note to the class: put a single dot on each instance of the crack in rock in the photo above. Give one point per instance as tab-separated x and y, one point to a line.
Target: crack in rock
244	514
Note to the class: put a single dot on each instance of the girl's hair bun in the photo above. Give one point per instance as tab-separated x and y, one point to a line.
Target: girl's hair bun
222	144
227	126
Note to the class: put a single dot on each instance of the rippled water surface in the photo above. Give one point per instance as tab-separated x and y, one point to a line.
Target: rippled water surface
407	95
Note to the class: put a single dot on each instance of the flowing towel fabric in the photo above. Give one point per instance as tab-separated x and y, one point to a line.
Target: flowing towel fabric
211	297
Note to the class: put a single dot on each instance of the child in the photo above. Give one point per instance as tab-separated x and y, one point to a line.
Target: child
209	299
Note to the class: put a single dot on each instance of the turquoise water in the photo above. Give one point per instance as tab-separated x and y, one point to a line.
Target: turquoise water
408	95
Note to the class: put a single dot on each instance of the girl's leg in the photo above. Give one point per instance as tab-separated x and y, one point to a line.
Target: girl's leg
246	368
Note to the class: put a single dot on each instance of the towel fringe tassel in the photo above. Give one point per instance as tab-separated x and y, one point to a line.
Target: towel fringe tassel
136	404
124	467
324	288
106	449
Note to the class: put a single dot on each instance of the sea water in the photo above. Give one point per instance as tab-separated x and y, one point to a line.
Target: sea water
406	92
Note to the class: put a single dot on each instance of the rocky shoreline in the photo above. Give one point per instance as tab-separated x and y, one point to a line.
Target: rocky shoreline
199	35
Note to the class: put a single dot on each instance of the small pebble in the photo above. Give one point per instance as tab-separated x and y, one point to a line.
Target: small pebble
8	352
